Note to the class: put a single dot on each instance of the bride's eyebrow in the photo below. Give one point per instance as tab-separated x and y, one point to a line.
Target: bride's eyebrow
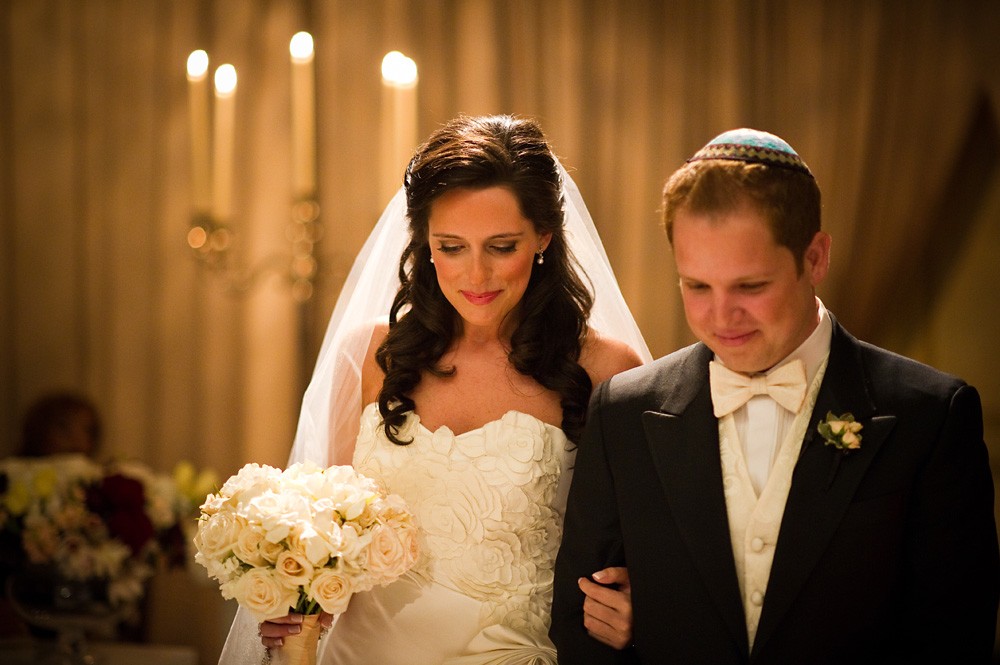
499	236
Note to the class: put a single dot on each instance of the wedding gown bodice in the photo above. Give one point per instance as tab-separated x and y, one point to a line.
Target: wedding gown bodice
489	505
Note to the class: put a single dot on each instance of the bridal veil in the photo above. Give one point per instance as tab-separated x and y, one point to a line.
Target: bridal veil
331	406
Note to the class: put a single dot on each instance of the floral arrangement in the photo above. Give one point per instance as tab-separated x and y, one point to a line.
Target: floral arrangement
841	432
302	539
117	524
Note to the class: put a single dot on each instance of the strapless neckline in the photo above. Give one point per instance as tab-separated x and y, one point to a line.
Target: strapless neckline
443	430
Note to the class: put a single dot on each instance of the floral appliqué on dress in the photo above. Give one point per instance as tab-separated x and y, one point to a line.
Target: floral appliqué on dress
484	502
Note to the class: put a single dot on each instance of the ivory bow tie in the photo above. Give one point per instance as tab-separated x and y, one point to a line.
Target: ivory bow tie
731	390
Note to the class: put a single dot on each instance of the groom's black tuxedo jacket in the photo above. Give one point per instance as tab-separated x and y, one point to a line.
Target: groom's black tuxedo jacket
885	554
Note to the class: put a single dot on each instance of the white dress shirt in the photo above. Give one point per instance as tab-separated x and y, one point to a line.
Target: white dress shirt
761	423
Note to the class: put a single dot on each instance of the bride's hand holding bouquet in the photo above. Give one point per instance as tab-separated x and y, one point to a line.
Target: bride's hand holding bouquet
302	541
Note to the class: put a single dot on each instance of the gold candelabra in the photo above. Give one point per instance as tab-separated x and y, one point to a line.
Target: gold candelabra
212	243
212	142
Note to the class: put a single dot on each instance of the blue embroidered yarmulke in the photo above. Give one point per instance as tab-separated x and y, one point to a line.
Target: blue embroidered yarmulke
755	146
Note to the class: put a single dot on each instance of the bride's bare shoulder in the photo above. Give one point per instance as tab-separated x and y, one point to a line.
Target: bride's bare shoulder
603	357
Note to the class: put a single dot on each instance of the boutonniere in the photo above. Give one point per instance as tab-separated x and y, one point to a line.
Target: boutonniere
841	432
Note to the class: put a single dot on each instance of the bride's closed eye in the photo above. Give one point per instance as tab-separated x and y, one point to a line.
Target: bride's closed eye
505	248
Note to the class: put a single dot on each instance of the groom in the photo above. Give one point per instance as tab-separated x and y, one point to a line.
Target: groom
780	492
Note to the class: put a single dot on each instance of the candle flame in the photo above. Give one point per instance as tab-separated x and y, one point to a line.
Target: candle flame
301	47
197	65
225	80
399	70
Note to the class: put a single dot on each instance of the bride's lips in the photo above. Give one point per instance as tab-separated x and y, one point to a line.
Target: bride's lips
480	298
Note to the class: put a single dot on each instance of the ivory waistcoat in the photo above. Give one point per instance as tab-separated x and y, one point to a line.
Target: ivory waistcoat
754	521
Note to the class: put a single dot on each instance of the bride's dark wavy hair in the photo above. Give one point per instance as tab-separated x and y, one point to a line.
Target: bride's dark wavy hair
475	153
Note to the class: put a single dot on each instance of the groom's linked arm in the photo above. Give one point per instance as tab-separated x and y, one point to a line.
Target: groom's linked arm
952	564
591	541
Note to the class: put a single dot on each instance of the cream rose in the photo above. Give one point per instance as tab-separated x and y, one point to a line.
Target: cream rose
387	555
247	547
332	590
260	591
293	569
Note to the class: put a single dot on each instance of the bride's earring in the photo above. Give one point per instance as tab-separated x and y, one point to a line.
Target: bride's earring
540	259
432	259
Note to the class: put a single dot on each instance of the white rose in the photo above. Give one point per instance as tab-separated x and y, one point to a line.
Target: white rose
293	569
247	546
319	542
214	503
217	535
250	481
332	590
270	551
223	571
353	548
260	591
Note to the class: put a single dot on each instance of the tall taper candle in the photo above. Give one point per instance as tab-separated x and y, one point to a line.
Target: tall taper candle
225	116
399	120
201	178
303	116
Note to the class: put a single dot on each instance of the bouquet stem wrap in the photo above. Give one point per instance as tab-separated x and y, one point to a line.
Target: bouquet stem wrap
300	649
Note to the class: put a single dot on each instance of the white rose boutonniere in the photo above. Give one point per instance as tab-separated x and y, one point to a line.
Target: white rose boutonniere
841	432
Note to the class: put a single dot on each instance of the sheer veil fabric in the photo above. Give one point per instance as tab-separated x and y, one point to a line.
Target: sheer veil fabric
331	407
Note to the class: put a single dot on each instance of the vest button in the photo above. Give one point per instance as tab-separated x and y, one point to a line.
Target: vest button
757	598
757	544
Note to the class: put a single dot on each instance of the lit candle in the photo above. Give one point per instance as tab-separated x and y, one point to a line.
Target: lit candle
197	75
225	115
303	116
399	119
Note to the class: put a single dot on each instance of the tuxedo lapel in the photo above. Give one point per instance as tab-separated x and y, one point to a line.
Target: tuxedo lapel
824	481
684	442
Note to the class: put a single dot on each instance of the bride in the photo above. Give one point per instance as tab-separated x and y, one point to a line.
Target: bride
470	397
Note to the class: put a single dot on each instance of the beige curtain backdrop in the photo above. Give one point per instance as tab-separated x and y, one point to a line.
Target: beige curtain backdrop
894	105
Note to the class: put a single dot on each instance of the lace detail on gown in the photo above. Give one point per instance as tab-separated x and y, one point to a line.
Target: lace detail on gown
489	504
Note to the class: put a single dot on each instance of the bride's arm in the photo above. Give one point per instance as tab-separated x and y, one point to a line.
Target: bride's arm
344	431
607	607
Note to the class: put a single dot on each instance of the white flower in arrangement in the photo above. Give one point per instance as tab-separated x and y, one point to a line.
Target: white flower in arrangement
303	539
109	525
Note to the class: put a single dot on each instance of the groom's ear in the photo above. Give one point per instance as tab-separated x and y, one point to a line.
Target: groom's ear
816	258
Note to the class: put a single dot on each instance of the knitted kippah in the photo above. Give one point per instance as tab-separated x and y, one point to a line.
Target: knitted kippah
751	145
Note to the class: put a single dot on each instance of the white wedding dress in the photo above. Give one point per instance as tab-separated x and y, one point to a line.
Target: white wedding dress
489	503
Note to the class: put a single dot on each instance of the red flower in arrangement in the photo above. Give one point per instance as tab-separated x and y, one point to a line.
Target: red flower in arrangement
121	503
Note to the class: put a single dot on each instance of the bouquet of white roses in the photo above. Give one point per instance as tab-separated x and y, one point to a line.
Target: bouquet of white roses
302	539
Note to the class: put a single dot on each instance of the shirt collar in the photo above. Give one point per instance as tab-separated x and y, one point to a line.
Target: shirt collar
816	348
